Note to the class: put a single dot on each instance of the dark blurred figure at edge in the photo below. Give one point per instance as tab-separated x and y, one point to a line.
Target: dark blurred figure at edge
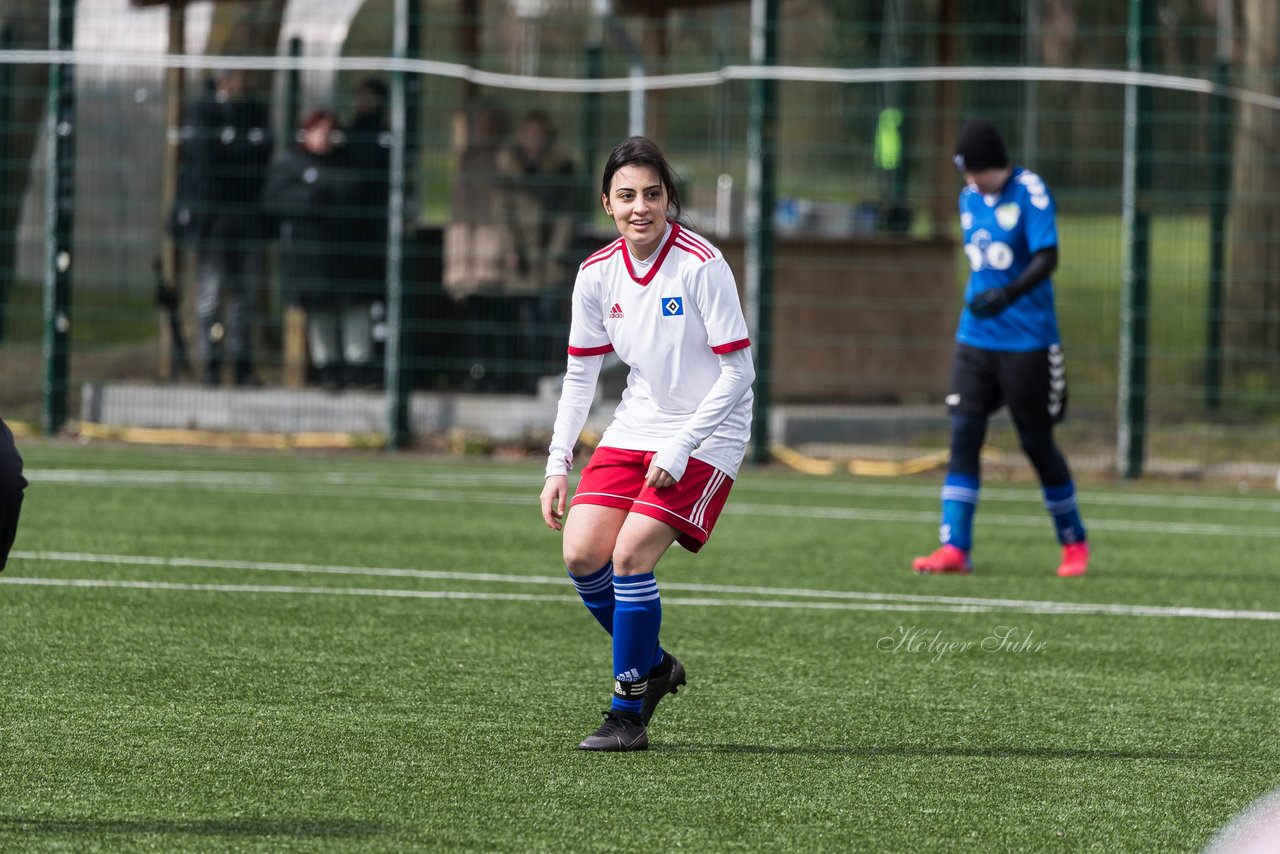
368	152
12	483
226	146
310	193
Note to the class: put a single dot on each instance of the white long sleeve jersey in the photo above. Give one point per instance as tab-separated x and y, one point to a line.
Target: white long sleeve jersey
676	321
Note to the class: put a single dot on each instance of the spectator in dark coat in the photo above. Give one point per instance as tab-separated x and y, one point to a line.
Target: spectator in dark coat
369	153
312	191
225	149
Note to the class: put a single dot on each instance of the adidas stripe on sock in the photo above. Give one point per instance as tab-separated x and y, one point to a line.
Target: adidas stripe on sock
959	502
1060	501
637	617
596	590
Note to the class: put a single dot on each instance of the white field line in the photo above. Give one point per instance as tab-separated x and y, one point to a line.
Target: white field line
279	588
865	601
1133	526
259	484
528	485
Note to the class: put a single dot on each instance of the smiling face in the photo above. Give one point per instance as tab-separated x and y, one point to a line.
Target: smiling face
637	201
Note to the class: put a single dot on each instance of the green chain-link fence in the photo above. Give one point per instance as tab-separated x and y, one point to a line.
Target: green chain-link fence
866	271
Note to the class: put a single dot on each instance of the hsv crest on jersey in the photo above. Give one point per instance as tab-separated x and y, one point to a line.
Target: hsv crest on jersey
672	306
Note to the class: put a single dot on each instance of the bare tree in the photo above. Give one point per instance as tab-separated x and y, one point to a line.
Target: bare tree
28	26
1252	323
249	27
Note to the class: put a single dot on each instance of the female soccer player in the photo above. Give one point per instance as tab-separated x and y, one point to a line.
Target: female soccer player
1008	352
664	300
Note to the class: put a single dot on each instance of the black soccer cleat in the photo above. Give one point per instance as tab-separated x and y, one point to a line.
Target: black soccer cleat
664	679
620	731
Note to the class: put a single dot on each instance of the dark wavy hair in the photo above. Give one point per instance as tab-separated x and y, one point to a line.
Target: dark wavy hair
641	151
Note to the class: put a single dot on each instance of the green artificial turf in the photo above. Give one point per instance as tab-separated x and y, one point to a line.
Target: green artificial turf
208	650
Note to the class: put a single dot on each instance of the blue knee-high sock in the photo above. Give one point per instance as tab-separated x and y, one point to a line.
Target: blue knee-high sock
636	619
1060	501
959	501
596	591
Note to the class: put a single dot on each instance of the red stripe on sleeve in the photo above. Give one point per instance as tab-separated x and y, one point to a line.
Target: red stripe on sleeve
698	241
591	351
721	349
694	250
604	254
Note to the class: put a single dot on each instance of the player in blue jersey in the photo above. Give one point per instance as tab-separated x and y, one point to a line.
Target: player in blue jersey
1008	352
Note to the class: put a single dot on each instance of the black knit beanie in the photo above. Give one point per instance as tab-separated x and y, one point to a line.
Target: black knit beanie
980	147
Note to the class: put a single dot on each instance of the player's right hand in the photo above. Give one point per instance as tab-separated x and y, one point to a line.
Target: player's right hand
990	302
555	490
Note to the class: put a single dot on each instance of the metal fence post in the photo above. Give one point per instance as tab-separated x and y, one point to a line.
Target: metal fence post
1136	239
761	148
404	119
7	227
1219	196
59	206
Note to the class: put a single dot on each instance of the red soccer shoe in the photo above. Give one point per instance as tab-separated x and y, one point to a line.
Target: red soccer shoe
946	559
1075	560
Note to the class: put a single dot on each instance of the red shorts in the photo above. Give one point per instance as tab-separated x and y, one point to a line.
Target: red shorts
615	478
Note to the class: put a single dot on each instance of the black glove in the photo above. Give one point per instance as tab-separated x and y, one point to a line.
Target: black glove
990	302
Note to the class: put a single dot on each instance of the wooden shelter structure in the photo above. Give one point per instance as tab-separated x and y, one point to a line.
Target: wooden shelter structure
928	277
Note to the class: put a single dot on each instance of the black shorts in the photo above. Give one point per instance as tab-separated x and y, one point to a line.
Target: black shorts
1033	385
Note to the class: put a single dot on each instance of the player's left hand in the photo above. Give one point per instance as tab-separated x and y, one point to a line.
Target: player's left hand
658	478
990	302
